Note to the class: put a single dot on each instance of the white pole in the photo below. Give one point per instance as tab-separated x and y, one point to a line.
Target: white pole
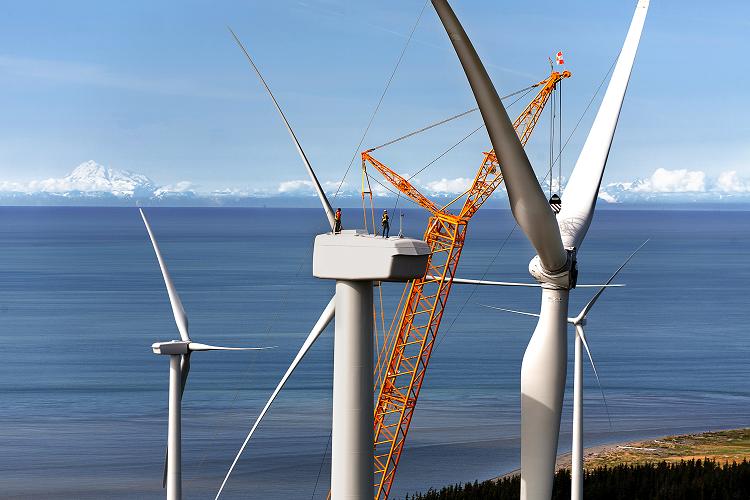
174	444
543	371
576	465
352	472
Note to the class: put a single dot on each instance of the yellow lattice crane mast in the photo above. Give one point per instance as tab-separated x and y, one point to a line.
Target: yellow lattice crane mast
402	367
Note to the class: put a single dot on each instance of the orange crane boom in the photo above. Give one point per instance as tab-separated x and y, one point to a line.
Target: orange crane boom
402	374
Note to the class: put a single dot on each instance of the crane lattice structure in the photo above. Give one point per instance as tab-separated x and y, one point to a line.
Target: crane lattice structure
401	368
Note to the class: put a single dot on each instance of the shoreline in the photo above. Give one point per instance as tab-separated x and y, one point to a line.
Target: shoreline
725	445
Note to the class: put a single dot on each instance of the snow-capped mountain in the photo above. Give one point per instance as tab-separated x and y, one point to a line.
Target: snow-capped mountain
92	183
90	177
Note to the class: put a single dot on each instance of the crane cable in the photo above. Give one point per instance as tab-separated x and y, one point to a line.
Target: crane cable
559	139
446	120
380	101
454	146
551	141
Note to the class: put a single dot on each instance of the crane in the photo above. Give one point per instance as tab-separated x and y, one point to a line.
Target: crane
402	366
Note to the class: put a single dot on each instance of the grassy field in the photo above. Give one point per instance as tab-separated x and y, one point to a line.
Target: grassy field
720	446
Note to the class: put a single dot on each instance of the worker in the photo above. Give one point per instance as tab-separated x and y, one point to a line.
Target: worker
386	224
337	221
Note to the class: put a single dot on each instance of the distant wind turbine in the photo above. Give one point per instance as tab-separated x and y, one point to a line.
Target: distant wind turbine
555	239
179	352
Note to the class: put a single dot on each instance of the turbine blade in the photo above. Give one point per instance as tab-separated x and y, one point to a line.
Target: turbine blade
582	336
184	370
196	346
316	184
164	469
465	281
180	318
593	300
527	201
510	310
320	325
579	198
611	285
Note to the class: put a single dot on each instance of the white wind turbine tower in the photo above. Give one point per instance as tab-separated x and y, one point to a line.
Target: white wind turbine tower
179	352
556	241
355	260
578	322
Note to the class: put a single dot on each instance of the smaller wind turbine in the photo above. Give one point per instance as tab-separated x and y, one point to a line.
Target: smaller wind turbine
578	322
179	352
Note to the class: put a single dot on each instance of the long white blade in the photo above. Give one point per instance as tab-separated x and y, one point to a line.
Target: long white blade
322	323
195	346
579	198
177	310
582	336
527	201
465	281
511	310
316	184
593	300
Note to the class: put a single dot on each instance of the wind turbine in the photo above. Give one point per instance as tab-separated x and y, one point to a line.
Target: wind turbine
578	322
179	352
555	239
354	259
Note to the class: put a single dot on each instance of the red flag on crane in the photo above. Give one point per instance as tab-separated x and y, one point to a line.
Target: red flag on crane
559	58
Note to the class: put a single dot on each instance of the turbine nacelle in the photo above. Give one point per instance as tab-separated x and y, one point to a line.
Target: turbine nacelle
171	348
178	347
359	256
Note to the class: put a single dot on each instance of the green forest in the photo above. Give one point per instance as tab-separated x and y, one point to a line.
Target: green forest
688	480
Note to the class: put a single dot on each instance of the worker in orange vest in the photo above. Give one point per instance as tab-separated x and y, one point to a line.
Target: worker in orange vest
385	221
337	221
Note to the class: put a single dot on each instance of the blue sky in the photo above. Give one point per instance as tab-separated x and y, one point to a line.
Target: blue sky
160	88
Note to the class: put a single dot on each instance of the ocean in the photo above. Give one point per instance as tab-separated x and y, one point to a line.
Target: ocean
83	400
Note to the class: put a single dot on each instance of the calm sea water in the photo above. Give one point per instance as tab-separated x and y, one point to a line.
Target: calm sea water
83	400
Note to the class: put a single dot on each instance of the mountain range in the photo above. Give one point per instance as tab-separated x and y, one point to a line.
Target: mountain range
93	184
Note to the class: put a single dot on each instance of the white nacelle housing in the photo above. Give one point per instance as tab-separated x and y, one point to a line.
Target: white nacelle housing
358	256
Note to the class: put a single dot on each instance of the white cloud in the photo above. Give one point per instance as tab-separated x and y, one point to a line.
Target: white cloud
17	187
180	187
449	186
673	181
296	187
607	197
380	191
679	185
730	182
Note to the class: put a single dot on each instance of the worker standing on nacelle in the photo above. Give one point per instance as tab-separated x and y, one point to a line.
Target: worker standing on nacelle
386	224
337	221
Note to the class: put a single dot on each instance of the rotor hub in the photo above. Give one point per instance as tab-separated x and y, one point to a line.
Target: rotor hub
561	279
